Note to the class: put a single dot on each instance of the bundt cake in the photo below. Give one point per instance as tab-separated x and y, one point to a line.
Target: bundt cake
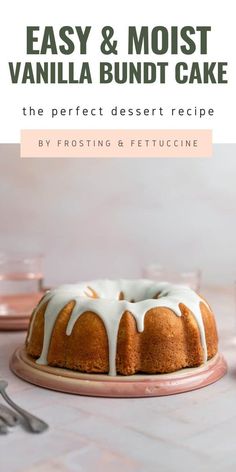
122	327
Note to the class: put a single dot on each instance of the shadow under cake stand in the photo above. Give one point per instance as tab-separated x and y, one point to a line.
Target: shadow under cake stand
101	385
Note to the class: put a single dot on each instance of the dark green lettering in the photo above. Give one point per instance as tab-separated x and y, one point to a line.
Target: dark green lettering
203	38
68	47
31	39
189	47
138	43
14	71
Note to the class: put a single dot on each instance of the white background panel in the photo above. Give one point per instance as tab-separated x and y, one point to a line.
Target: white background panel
17	15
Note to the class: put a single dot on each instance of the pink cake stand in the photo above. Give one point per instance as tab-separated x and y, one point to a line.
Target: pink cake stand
98	385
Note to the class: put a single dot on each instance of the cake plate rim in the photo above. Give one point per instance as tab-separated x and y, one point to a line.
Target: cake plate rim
102	385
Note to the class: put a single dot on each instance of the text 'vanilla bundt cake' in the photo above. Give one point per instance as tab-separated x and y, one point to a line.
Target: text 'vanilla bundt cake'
122	327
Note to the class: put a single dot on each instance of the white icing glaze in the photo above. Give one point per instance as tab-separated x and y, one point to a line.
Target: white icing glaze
138	300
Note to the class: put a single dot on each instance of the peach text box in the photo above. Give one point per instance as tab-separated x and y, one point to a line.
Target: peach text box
115	143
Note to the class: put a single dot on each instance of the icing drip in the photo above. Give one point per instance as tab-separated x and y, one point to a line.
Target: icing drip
139	297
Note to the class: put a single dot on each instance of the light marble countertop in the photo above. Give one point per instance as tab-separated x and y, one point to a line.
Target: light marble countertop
192	431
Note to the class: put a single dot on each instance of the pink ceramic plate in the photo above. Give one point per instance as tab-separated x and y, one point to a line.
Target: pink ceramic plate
18	310
11	323
69	381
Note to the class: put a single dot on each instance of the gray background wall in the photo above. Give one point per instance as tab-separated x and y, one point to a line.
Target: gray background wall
95	218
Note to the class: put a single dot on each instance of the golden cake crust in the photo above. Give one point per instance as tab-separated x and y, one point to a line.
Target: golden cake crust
167	343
